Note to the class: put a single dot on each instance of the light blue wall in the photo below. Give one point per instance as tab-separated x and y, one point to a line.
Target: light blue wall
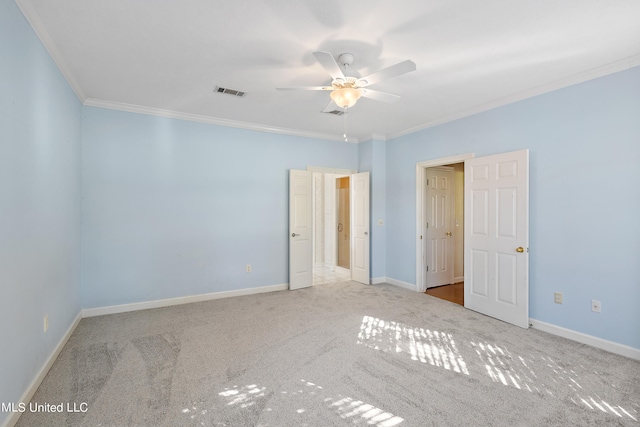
174	208
372	158
40	131
584	144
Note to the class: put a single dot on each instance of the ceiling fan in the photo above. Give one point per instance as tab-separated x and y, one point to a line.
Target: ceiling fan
347	86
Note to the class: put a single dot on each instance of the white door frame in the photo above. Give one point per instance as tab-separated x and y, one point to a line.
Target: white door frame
421	167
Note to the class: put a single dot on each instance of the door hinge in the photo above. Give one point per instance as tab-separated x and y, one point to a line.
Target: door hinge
427	268
427	225
420	237
427	183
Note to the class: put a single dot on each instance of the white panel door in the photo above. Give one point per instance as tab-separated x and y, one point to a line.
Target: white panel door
360	269
438	227
300	229
496	258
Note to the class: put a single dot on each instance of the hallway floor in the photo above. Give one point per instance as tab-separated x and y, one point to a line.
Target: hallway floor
322	275
453	293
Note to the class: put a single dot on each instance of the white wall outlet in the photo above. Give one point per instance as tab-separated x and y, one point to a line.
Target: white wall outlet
557	297
248	268
45	325
596	306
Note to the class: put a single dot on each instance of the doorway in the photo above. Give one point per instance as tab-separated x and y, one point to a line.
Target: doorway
444	232
331	223
457	162
344	223
306	206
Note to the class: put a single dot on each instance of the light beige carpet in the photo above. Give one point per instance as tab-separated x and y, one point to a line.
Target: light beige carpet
331	355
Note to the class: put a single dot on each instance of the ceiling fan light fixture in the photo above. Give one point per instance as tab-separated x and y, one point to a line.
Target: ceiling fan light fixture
346	97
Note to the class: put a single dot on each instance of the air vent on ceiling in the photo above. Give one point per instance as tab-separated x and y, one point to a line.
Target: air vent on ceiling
229	91
335	112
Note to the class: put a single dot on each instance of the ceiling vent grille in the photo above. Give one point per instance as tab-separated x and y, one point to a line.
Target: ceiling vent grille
228	91
335	112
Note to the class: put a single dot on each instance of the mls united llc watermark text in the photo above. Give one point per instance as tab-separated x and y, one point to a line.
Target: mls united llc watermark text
69	407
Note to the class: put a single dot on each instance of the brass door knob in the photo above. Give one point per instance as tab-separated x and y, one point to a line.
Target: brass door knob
520	249
449	233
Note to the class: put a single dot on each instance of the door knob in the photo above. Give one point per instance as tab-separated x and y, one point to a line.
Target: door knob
366	233
294	234
520	249
449	234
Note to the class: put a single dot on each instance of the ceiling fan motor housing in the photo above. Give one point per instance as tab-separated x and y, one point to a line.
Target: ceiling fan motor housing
345	59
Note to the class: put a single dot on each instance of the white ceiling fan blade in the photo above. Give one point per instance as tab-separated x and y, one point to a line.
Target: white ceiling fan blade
306	88
329	63
387	73
380	96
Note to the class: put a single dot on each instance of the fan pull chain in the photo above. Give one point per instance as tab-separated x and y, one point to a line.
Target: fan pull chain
344	135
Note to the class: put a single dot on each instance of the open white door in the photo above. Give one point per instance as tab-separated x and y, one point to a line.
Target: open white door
496	259
300	229
360	269
439	226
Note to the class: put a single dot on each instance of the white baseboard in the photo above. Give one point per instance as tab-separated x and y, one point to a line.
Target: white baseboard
12	419
378	280
400	283
610	346
100	311
458	279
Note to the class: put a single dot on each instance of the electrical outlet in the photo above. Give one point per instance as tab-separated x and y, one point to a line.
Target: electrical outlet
248	268
46	323
557	297
596	306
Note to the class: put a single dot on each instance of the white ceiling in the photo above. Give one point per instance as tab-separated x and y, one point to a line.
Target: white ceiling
165	57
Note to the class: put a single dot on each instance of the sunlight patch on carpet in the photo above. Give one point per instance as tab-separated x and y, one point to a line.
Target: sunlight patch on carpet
516	371
243	396
433	347
356	410
348	408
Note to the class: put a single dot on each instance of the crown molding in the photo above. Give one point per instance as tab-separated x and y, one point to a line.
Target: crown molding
337	171
132	108
594	73
372	137
33	19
